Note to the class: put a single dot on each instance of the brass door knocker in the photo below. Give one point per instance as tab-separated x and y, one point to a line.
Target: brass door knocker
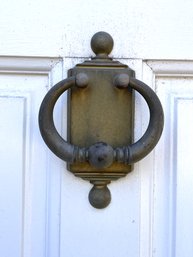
100	120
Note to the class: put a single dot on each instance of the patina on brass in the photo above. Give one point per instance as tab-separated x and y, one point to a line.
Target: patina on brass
100	112
100	120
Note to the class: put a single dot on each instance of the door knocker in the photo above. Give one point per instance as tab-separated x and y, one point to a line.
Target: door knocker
99	147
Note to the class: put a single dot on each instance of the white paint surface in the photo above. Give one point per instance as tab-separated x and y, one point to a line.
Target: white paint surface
157	29
11	182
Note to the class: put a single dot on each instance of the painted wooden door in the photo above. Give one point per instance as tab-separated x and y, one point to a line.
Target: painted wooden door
44	210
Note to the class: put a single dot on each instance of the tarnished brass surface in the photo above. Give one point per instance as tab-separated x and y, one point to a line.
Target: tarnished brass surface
100	113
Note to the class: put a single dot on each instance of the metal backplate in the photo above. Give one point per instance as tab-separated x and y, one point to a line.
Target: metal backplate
100	112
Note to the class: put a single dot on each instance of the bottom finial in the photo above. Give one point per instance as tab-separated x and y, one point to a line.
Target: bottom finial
99	196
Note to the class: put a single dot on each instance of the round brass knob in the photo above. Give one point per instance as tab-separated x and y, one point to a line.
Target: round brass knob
99	196
100	155
102	44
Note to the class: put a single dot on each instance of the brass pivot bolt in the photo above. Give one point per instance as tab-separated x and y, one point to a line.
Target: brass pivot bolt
82	80
121	81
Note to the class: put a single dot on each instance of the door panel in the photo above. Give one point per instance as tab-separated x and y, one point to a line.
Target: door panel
171	209
11	183
24	167
44	210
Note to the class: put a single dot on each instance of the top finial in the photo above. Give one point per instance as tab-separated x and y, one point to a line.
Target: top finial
101	44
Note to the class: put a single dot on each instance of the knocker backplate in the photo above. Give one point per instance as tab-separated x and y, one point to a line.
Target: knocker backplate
100	112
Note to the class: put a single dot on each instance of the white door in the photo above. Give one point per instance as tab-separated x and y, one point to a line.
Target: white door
44	209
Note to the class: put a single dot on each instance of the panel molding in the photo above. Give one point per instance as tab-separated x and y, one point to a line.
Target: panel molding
28	65
170	67
48	71
152	199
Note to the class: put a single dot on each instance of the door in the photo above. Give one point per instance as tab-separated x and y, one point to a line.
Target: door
44	209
